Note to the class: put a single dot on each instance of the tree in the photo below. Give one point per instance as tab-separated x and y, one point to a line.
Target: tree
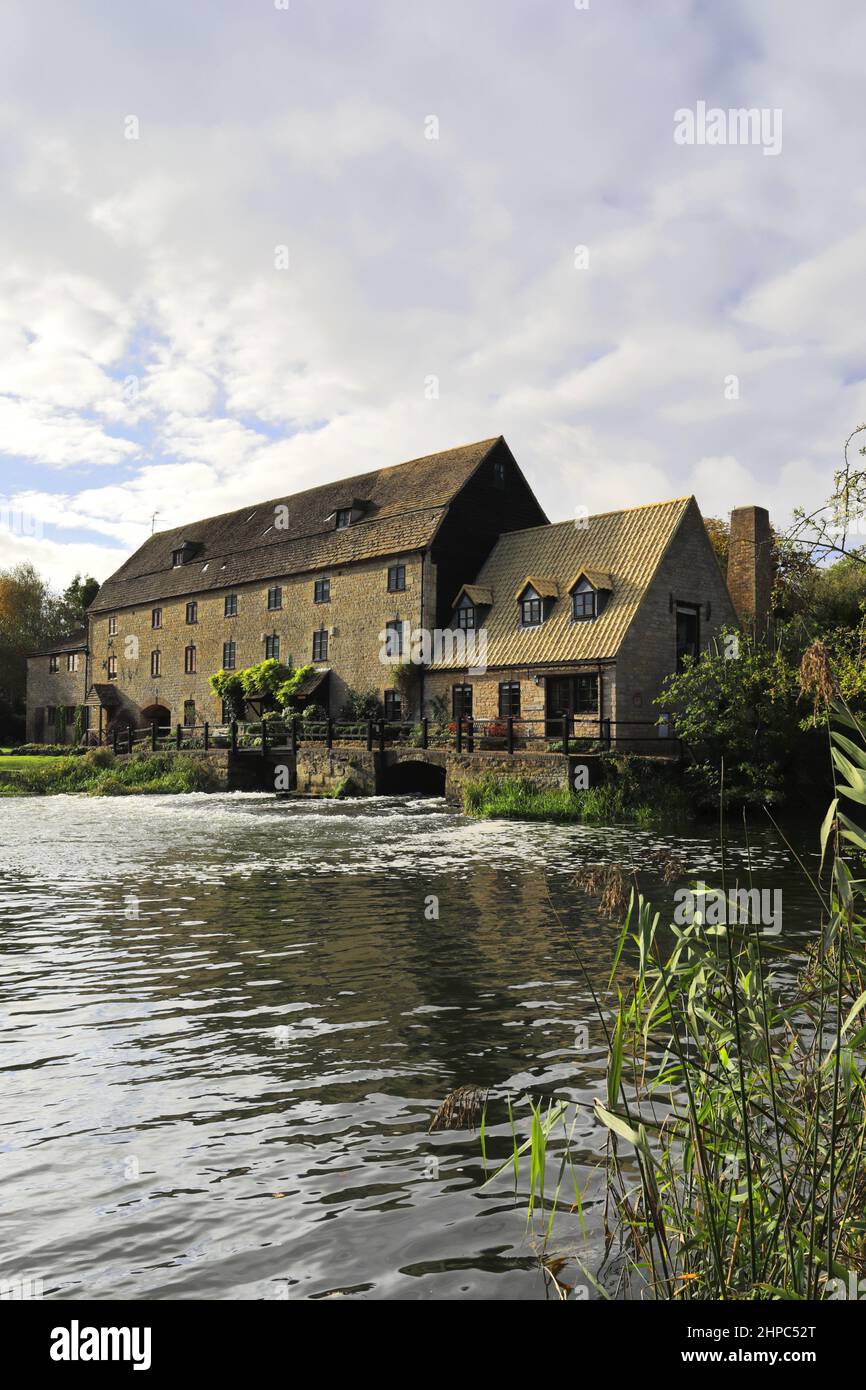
72	605
26	623
737	703
792	567
835	527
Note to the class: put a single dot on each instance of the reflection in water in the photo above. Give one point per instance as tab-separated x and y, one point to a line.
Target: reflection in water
227	1020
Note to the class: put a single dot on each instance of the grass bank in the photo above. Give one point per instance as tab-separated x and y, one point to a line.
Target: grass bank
99	773
25	760
623	799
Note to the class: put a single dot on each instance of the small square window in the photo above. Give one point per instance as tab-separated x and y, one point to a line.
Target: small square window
320	645
177	558
396	579
466	616
344	518
231	606
322	591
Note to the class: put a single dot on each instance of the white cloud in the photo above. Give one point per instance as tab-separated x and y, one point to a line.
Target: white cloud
411	258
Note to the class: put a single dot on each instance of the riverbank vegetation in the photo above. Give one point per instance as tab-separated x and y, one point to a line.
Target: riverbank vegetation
99	773
735	1099
634	791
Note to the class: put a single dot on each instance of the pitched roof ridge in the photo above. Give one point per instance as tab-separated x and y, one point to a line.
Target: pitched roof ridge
371	473
598	516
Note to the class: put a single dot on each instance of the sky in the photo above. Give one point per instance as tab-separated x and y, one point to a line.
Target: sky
247	247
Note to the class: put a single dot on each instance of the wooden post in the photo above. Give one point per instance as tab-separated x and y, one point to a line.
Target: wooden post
565	734
607	733
425	732
470	734
264	739
206	735
369	735
153	735
329	732
114	738
234	735
510	733
460	734
294	733
381	735
179	736
129	738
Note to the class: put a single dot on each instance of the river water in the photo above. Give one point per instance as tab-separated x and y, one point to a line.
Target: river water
226	1022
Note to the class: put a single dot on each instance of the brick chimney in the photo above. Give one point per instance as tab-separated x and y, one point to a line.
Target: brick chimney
750	572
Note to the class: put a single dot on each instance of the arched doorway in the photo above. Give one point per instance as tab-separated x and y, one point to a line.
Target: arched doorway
414	775
156	714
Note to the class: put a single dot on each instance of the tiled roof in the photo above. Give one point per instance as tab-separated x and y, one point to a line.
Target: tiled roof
105	693
626	546
544	585
404	506
75	642
476	594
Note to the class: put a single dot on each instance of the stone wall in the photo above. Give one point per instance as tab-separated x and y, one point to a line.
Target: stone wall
485	696
47	690
689	573
359	607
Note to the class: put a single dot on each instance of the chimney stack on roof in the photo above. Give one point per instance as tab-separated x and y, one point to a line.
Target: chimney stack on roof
750	569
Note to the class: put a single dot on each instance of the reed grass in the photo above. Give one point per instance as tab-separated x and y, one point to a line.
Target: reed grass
735	1099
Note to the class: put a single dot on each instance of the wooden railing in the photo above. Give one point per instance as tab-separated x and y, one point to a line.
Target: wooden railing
563	734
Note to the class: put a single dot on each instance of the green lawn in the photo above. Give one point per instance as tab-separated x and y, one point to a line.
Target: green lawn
26	760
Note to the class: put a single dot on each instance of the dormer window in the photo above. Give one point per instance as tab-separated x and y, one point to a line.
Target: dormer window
466	614
344	516
589	593
583	602
471	606
184	552
531	608
535	598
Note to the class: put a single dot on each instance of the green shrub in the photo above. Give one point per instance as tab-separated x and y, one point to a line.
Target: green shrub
98	757
606	804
